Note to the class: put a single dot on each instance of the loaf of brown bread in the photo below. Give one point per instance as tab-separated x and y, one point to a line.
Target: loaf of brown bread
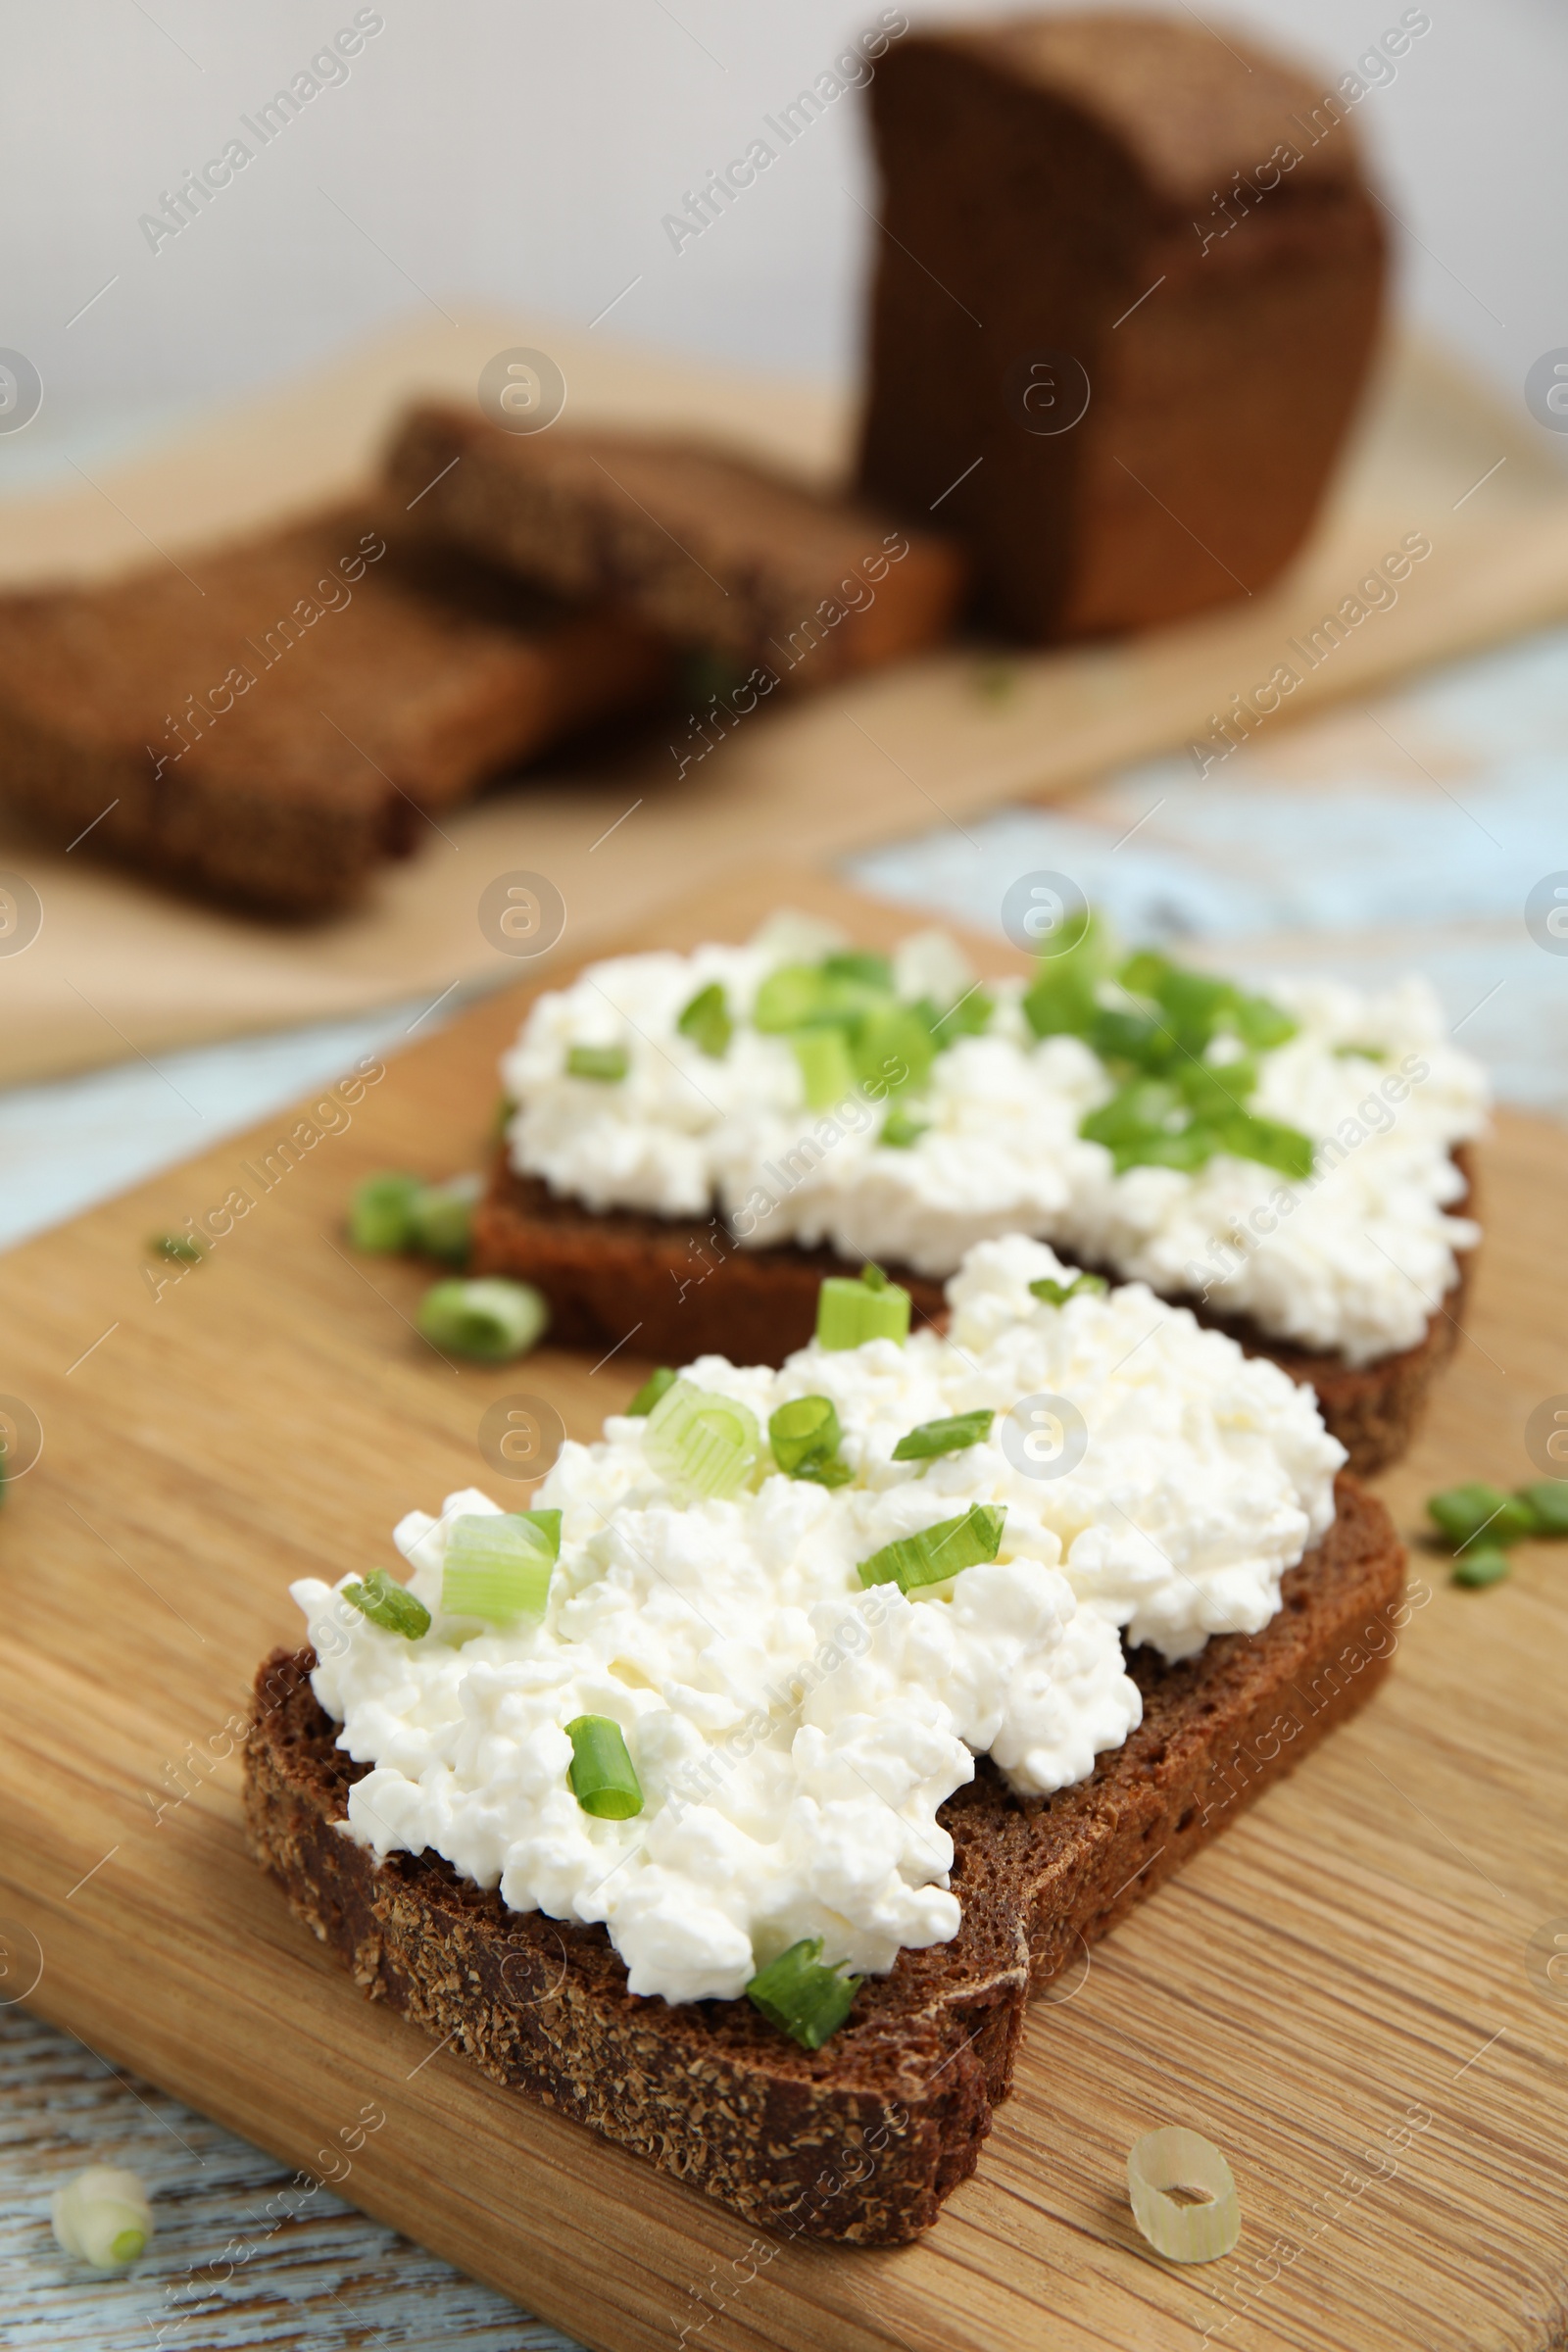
1125	295
272	720
863	2139
673	1290
714	549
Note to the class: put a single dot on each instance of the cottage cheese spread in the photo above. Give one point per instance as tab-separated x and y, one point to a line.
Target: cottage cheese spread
1353	1260
794	1732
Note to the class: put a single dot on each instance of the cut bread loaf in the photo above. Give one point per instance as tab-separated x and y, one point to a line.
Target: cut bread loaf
702	543
674	1290
272	724
1124	302
861	2140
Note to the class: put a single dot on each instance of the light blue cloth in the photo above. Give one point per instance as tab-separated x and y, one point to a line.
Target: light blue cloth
1421	859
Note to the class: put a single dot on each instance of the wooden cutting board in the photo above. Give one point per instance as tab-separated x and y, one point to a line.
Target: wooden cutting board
1337	1992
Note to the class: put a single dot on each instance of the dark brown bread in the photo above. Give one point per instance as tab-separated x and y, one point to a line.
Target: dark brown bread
299	707
707	545
859	2141
675	1291
1117	190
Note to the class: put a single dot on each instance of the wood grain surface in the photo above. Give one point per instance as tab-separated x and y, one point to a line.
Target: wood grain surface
1338	1992
121	964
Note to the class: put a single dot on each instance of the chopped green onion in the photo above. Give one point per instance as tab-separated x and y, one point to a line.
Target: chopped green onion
826	1070
605	1063
1057	1293
801	1998
862	965
900	1131
177	1248
1360	1052
830	1470
1464	1513
490	1318
1481	1564
602	1776
390	1604
707	1021
505	1113
1182	2196
950	1435
1215	1090
804	1431
873	1276
970	1017
381	1212
442	1218
1263	1025
1270	1142
648	1396
1061	1000
994	681
840	991
894	1049
1143	1039
704	1445
850	1312
938	1553
497	1564
705	674
789	997
1548	1503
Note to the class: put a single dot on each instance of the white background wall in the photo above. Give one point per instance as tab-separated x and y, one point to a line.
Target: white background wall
522	152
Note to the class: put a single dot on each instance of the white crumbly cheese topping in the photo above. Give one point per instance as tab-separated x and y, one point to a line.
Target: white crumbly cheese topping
793	1732
1354	1259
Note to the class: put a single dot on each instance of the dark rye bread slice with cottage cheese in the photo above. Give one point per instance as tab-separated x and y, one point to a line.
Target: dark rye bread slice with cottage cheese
270	722
675	1291
861	2140
702	542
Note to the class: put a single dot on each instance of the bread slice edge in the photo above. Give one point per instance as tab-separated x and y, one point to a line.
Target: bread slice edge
860	2142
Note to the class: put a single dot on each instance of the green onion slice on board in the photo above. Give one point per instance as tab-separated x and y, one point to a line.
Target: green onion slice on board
382	1212
489	1318
1182	2196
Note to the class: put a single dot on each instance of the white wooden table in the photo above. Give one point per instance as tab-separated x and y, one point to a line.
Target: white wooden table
325	2277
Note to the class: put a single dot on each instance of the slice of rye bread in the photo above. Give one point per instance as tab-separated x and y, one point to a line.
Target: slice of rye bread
683	1290
704	542
861	2140
297	709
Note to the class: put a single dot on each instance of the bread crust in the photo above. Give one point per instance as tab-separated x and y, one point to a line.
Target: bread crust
861	2141
1174	253
679	1290
323	745
704	542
